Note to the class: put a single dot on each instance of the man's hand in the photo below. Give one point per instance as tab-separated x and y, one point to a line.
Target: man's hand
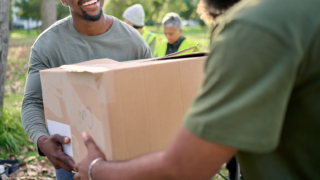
52	147
94	152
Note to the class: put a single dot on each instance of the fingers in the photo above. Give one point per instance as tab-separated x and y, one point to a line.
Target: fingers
88	141
66	162
76	177
60	139
71	162
76	168
64	166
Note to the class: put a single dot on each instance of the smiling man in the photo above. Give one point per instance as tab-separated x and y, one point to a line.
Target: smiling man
87	34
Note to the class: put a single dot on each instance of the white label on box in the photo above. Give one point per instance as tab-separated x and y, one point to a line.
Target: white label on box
63	130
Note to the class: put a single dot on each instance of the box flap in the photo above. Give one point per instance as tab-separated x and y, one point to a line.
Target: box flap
190	55
79	68
93	66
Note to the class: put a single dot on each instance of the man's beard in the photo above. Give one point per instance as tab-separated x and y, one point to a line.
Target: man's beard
217	7
92	18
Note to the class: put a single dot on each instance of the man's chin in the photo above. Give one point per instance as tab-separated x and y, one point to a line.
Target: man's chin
92	18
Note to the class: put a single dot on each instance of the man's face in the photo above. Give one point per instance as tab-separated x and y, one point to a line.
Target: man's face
87	9
172	34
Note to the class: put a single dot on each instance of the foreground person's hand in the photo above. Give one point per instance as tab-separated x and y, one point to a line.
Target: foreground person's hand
82	168
52	147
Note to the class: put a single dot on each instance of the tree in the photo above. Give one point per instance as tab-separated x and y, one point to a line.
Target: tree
117	7
191	10
29	9
10	15
4	43
162	7
154	9
48	13
62	11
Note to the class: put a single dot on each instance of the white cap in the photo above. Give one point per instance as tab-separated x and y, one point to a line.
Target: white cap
135	14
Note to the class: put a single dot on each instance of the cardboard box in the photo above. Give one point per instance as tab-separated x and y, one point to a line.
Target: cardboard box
129	108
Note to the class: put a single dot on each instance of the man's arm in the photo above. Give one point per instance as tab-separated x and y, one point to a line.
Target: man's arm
32	115
147	54
153	47
188	157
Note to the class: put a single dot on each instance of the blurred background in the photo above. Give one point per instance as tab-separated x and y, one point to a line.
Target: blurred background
34	16
28	19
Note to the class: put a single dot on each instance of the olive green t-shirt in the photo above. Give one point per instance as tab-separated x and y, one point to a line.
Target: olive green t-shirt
61	44
261	92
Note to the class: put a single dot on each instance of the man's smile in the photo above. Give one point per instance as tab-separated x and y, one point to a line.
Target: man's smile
90	4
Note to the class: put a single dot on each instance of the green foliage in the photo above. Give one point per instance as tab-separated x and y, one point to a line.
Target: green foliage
32	9
10	11
12	134
29	9
117	7
62	11
191	12
154	9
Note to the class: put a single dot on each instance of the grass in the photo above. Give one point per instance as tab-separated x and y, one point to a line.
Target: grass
12	135
22	37
13	139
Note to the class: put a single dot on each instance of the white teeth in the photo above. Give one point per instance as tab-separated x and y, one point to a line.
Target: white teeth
90	2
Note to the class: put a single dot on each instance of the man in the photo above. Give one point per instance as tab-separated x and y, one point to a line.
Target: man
134	16
175	42
259	100
88	34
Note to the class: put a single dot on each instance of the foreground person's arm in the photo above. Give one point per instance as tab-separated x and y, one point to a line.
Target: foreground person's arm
188	157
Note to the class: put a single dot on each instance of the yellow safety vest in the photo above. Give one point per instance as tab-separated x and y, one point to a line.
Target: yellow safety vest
162	48
148	36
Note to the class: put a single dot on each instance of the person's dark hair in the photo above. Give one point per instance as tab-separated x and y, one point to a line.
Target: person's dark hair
219	6
137	27
210	9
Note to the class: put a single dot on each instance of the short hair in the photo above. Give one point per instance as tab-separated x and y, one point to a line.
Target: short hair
172	19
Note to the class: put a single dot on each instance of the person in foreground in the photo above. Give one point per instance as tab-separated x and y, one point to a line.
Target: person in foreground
175	42
259	101
88	34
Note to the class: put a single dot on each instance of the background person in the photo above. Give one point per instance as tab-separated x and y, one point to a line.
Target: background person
172	25
135	16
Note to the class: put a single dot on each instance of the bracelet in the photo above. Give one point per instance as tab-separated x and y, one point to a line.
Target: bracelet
90	167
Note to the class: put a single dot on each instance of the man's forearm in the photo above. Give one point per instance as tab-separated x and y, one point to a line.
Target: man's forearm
188	157
151	166
32	116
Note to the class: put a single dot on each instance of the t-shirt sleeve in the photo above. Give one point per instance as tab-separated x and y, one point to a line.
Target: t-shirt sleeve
147	53
249	77
153	47
32	113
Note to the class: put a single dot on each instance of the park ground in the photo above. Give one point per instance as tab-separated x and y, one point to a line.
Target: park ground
14	142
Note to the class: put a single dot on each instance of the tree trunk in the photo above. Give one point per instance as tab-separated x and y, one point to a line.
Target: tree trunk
38	30
4	43
28	25
48	13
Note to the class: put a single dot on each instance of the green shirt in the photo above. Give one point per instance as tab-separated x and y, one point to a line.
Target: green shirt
261	92
61	44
